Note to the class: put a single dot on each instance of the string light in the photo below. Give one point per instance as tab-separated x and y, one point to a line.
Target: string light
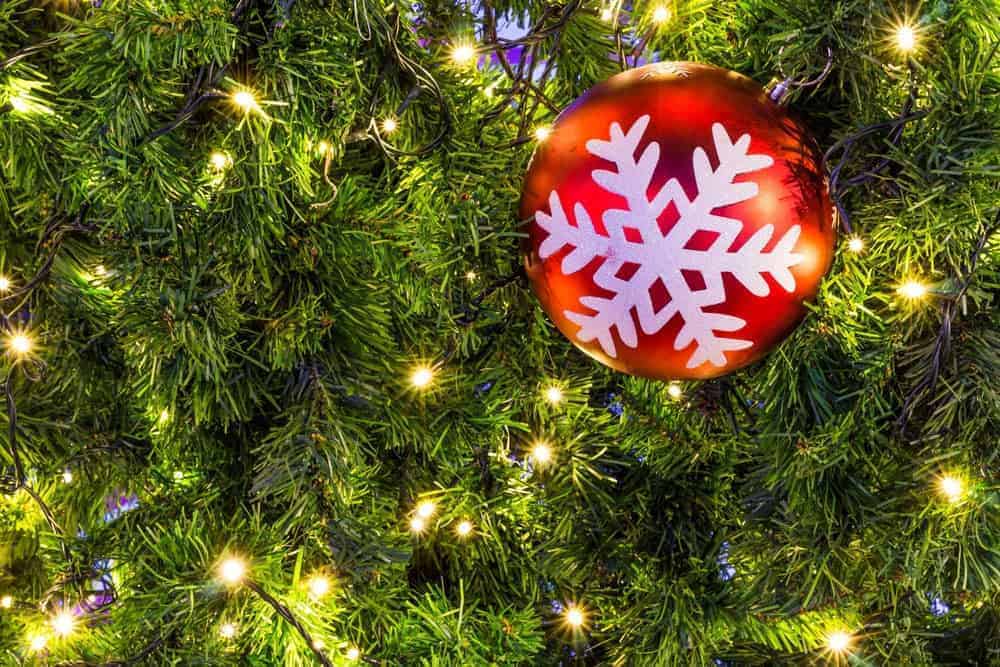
319	586
674	390
417	525
164	416
67	476
245	100
912	289
353	653
38	643
323	147
542	133
464	528
19	104
220	161
227	630
541	453
906	38
462	54
855	244
951	487
574	617
488	90
178	475
471	276
63	623
426	509
838	641
389	125
421	377
232	570
606	14
4	283
319	644
661	15
7	602
553	395
19	343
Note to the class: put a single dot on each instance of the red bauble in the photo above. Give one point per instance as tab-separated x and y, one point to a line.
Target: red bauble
679	220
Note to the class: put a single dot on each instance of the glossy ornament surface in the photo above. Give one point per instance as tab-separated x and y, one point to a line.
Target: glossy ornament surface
678	220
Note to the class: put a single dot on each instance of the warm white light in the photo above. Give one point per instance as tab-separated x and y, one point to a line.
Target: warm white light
462	54
542	133
464	528
541	453
63	623
232	570
470	276
417	525
674	390
421	377
219	161
606	14
67	476
6	602
906	38
319	644
38	643
661	14
389	125
575	617
19	344
912	289
20	104
4	283
227	630
952	488
323	147
855	244
178	475
245	100
426	509
353	653
838	641
164	415
319	586
553	395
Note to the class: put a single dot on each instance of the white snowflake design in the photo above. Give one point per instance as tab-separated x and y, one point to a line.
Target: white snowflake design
662	256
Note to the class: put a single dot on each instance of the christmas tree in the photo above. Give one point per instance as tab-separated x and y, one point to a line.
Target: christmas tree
279	392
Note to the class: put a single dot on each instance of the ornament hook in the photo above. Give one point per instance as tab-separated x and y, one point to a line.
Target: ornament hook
779	93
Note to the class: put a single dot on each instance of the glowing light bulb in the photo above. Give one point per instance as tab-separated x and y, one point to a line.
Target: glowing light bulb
319	586
553	395
855	244
63	623
674	390
38	643
606	14
426	509
906	38
245	100
541	453
7	602
353	653
470	276
219	161
232	570
542	133
319	644
19	104
323	147
838	641
19	344
389	125
575	617
178	475
227	630
462	54
912	289
422	377
952	488
488	90
417	525
4	283
464	528
67	476
164	416
661	14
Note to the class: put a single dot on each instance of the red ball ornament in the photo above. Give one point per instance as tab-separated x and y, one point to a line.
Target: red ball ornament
679	220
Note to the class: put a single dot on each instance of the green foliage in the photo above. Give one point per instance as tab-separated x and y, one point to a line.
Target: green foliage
224	344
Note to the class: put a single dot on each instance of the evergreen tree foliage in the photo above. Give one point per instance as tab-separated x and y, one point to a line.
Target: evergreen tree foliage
227	298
